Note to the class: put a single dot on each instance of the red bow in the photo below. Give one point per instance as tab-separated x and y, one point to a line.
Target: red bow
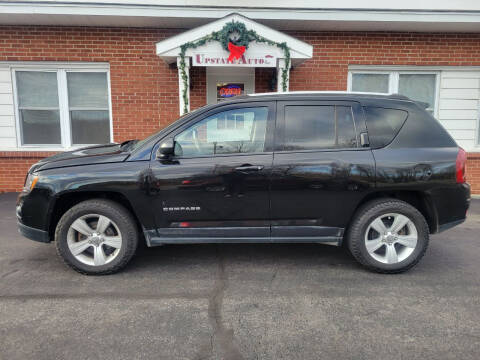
236	51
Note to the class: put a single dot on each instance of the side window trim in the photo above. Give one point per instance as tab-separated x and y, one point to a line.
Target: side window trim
270	126
357	115
353	122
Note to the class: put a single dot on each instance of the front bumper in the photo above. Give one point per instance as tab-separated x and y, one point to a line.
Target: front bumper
32	233
32	215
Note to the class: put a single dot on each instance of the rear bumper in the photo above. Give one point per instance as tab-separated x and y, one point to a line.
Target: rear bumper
33	234
449	225
451	206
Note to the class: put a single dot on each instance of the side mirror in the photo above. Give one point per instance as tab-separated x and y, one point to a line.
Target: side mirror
166	149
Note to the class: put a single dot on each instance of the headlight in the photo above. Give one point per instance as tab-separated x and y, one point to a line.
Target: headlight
30	182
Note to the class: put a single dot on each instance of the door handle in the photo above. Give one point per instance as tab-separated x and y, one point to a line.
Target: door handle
249	168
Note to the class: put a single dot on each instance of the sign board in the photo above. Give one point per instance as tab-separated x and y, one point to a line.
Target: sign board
246	60
228	90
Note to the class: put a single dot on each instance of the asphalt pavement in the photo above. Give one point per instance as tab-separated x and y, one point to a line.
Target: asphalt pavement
252	301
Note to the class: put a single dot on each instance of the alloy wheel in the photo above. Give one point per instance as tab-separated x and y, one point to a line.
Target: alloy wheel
94	239
391	238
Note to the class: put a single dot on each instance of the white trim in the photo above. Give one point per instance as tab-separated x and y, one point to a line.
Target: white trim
15	109
109	99
438	80
18	125
55	65
169	48
391	88
443	72
64	111
181	85
477	128
381	68
280	67
340	15
394	73
61	69
223	74
425	5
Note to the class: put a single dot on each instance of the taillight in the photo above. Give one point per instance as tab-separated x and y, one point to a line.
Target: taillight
460	166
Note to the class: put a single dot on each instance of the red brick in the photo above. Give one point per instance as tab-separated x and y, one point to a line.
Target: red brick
144	89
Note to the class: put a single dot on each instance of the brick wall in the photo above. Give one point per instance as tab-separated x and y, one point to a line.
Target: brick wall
263	80
14	167
334	51
145	90
198	86
473	172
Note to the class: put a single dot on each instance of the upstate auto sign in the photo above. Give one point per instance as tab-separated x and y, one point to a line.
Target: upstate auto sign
246	60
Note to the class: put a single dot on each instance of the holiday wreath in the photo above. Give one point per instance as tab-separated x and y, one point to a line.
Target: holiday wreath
236	45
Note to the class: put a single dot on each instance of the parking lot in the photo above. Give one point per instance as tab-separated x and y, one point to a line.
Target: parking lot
256	301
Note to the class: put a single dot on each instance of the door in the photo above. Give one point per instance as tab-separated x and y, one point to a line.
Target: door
216	185
227	82
320	171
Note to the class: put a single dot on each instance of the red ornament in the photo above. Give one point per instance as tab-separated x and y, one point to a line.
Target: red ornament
236	51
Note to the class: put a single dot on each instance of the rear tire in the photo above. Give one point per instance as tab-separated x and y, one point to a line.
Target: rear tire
96	237
388	236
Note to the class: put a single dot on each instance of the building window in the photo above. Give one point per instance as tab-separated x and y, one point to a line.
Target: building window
419	86
62	107
231	121
38	107
370	83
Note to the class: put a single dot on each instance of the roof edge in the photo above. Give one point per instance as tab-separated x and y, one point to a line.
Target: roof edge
301	49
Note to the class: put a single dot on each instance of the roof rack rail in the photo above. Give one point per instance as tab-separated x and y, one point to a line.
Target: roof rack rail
384	95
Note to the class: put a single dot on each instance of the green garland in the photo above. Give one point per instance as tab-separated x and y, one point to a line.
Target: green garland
223	36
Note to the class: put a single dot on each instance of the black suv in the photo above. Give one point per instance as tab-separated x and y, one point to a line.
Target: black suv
374	172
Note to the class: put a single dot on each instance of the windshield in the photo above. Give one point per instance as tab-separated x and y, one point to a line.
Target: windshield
136	144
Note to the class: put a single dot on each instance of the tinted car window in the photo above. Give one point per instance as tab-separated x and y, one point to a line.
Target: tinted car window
383	124
422	130
318	127
227	132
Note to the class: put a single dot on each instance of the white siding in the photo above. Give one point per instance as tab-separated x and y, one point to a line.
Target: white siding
458	108
458	104
459	114
8	138
459	83
460	124
467	94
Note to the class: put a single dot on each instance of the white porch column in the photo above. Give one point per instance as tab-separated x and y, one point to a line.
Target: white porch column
280	67
181	85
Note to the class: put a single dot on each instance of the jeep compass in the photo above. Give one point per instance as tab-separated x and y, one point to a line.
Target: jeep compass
377	173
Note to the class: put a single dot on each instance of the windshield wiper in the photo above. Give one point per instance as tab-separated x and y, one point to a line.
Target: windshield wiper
127	144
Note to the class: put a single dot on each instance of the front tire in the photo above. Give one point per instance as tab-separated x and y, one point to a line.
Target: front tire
388	236
96	237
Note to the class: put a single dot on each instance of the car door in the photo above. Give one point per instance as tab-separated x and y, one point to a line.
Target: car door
321	171
216	184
